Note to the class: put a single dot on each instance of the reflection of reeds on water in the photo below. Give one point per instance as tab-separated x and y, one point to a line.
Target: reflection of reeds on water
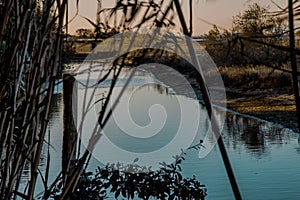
257	136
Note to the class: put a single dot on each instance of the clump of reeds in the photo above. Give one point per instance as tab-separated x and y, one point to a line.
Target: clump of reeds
30	49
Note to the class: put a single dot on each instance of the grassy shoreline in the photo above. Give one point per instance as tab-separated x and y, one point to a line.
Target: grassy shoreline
261	92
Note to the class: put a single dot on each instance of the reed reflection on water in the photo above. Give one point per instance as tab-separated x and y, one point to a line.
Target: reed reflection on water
258	137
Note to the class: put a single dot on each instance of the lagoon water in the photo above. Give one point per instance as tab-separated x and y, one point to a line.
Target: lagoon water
265	157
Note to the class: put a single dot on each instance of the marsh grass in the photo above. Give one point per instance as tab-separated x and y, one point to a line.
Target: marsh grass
252	77
262	92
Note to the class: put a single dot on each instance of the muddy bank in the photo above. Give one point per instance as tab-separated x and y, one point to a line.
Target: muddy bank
274	106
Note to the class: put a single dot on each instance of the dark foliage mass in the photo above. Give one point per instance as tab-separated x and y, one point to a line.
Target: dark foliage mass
132	181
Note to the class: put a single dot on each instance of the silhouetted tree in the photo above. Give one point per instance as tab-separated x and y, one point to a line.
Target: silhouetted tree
84	33
257	20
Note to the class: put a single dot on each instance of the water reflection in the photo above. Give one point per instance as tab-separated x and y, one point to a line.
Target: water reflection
298	147
257	136
263	155
153	87
55	131
56	106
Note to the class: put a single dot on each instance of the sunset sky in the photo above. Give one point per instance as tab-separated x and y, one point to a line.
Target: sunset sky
218	12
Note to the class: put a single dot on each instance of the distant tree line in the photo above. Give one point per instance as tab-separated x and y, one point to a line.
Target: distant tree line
228	47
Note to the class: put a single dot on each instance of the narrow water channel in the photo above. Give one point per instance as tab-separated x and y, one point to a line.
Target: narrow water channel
265	157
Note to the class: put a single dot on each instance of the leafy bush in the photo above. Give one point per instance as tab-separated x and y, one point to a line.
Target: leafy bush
134	181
